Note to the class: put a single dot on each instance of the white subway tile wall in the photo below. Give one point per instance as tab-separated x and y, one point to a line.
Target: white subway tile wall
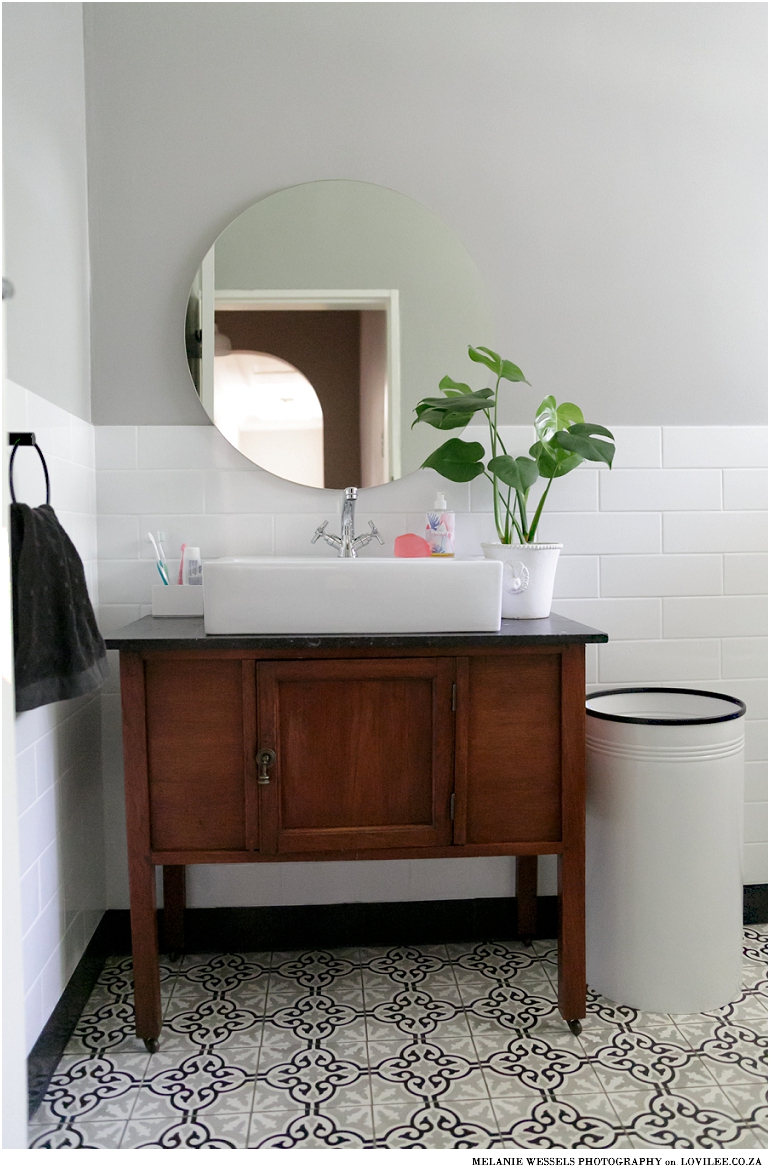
665	552
58	747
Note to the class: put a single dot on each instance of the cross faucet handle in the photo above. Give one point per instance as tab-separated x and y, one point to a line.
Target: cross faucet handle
319	533
365	539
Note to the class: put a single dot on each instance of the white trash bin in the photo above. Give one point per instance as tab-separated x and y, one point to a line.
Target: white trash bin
664	822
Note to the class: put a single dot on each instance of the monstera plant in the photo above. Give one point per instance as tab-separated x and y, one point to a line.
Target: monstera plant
563	441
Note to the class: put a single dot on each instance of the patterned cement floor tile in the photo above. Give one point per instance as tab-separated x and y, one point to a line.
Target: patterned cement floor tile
222	974
80	1134
106	1028
343	1128
425	1071
86	1088
213	1020
411	1017
203	1082
182	1132
692	1118
458	1046
466	1124
565	1122
627	1060
732	1052
311	1078
510	1110
748	1139
541	1064
750	1102
408	1050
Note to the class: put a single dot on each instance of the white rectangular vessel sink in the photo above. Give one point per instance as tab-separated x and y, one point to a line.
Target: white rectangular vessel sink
326	596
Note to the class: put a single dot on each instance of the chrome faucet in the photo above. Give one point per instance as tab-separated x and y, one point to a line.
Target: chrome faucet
347	543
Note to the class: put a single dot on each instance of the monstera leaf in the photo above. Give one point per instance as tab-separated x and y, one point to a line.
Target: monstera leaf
550	418
553	461
519	472
581	439
453	389
454	411
502	367
457	460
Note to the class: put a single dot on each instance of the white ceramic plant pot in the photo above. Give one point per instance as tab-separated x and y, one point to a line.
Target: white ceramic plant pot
528	577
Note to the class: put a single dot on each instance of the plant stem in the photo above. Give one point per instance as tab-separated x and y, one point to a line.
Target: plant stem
522	509
538	511
504	534
493	440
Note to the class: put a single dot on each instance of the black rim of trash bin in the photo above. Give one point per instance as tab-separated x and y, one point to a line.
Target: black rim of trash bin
626	720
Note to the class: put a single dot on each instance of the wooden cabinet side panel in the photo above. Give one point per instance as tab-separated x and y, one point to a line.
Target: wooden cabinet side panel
513	771
195	740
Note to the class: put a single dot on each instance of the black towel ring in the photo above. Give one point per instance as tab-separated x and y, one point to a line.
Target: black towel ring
28	441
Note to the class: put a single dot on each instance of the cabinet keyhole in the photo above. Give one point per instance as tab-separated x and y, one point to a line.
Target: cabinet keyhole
265	759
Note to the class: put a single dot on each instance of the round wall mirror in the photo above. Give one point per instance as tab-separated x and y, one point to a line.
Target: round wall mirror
318	320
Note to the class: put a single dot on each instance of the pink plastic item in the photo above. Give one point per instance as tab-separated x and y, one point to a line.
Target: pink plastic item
181	564
411	546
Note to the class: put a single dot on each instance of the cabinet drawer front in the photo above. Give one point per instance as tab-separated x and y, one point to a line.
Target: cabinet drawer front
513	768
363	751
195	754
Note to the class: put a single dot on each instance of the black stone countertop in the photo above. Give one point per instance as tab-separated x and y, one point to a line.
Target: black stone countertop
187	633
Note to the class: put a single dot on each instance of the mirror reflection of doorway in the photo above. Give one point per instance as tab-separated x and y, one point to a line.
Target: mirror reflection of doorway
269	411
342	356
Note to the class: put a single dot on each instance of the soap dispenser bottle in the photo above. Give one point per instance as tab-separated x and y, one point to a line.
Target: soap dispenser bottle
440	529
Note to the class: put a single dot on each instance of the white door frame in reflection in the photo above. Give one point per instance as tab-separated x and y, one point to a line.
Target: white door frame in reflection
315	299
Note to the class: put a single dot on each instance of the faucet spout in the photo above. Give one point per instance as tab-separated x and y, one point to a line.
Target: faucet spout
347	543
348	523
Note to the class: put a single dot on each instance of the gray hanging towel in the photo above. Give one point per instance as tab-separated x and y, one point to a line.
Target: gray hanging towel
58	650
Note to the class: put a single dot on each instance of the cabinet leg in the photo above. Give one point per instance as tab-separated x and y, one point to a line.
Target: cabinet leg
174	899
572	937
144	944
526	896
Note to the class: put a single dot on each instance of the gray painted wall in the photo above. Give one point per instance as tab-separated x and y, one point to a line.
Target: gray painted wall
603	163
45	216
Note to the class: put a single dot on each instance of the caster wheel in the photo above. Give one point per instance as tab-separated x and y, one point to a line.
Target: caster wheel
526	942
574	1025
152	1045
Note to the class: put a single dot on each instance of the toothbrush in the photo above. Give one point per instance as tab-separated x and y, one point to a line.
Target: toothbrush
162	553
180	580
159	562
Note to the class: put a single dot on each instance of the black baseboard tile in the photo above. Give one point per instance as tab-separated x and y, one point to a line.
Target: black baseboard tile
313	926
317	926
44	1057
755	904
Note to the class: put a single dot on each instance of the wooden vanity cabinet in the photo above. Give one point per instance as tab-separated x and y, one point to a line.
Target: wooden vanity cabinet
241	751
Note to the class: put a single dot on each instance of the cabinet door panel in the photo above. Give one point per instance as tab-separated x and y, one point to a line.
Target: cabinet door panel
195	754
364	753
512	769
